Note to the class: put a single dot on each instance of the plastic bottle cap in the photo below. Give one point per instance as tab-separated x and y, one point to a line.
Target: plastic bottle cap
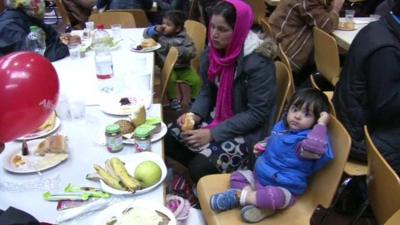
113	128
100	26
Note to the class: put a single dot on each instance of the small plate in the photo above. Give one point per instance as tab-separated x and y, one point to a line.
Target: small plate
42	133
117	209
155	137
149	49
33	163
130	164
113	106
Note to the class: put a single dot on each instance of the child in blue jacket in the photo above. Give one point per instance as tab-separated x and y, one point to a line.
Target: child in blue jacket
297	148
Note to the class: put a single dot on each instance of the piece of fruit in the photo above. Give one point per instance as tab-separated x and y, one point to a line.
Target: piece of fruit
127	180
148	173
108	179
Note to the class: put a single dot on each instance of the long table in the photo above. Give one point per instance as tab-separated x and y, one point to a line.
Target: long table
345	38
77	78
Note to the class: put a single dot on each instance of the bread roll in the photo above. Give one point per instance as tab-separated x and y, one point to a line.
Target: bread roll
126	126
52	144
189	122
148	42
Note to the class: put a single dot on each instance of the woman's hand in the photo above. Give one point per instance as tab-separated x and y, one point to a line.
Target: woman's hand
181	119
197	138
323	118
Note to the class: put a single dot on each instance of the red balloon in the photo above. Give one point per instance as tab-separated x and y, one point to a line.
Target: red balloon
29	90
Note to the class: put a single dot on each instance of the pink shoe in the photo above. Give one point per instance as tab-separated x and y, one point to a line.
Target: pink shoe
180	207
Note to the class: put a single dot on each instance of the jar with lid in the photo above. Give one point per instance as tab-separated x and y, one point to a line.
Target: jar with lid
143	140
114	138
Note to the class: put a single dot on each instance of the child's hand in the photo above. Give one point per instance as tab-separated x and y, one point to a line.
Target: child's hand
323	118
159	28
259	148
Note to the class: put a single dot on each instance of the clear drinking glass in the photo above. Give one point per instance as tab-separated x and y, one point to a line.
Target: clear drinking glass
116	30
349	14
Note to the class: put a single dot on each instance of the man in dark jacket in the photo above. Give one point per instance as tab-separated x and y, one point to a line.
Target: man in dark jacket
368	92
14	28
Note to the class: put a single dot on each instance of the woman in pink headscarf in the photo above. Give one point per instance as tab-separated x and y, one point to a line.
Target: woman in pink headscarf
237	100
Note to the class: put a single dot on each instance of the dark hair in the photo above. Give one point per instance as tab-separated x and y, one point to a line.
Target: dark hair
308	97
177	17
227	11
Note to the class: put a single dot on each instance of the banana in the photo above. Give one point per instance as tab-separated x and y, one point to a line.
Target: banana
110	170
108	179
127	180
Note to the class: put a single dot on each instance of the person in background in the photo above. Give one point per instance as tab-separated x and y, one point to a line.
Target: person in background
102	5
385	7
172	33
14	28
368	92
79	11
292	25
297	148
165	6
236	103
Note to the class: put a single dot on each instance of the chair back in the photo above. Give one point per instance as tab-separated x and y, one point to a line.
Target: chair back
326	54
108	18
62	12
283	84
266	27
259	9
284	59
139	15
394	219
198	33
384	183
166	71
323	185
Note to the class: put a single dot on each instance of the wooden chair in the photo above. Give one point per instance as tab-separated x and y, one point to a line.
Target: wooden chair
62	12
139	15
321	190
326	56
198	33
259	9
108	18
266	27
284	84
284	59
166	71
383	185
395	219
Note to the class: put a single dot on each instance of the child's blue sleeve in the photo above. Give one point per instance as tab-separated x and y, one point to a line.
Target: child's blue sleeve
151	31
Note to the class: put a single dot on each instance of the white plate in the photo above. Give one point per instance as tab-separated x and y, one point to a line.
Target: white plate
131	163
40	134
143	50
112	105
154	138
33	163
117	209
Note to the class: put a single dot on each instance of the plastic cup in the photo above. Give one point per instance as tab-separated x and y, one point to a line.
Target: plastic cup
349	14
374	17
74	51
89	25
116	30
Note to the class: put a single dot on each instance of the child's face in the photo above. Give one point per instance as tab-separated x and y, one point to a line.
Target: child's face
300	118
169	28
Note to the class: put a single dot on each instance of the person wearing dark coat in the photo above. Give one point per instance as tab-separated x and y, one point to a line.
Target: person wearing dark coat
15	24
368	92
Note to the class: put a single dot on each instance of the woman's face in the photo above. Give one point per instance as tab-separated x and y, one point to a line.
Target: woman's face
220	32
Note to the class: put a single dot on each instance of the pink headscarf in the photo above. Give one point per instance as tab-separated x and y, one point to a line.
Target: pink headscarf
224	66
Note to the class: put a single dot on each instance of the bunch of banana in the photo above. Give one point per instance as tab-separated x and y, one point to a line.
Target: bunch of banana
116	176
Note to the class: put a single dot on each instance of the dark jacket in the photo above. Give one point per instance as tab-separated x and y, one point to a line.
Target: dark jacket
14	27
368	91
181	41
125	4
254	96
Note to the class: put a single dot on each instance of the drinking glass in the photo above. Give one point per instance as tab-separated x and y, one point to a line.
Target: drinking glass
116	30
349	14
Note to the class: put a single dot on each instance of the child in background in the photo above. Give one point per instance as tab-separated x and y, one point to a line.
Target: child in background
297	148
172	33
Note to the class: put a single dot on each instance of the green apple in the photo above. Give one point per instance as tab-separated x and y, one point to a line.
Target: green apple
148	173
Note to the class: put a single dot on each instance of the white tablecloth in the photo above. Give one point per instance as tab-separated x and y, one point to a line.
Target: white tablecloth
16	189
345	38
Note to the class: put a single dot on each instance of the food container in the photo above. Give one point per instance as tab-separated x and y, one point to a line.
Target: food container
114	138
